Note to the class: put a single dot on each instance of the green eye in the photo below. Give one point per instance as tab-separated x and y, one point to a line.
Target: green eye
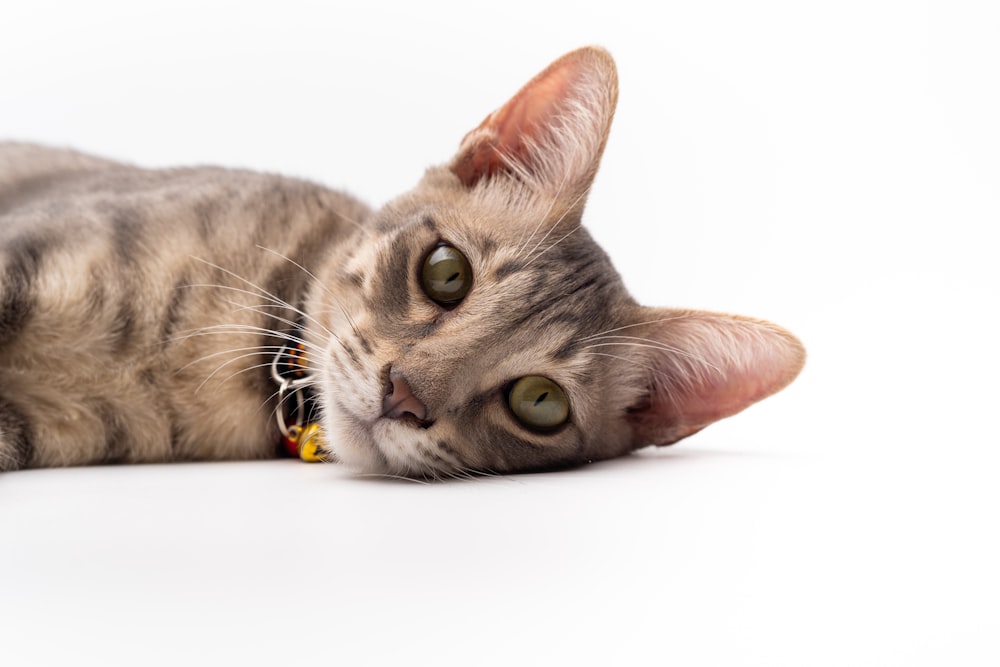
446	276
538	403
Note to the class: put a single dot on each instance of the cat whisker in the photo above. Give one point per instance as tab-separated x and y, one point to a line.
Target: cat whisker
656	345
667	383
326	290
516	165
260	308
386	475
350	320
261	291
355	223
468	474
634	362
555	225
632	326
558	241
270	350
275	303
523	246
316	281
250	351
222	366
256	292
225	329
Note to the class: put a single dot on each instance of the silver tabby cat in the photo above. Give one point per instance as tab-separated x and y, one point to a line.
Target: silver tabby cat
468	326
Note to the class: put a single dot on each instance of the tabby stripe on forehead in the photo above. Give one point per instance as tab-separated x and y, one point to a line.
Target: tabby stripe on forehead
560	306
23	261
391	292
15	438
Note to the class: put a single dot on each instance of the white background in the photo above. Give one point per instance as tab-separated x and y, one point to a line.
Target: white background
830	166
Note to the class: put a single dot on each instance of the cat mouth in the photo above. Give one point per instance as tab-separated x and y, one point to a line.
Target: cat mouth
410	420
380	445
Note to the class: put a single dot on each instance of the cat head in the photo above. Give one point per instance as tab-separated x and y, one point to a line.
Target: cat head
476	327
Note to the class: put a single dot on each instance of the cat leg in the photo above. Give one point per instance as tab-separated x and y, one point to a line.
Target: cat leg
15	442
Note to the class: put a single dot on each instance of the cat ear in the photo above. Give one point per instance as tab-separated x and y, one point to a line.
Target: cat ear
552	133
701	367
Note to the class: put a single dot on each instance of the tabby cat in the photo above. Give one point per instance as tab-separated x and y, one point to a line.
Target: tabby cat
469	326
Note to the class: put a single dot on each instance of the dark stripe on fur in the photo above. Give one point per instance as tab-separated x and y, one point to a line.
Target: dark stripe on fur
176	436
15	438
353	354
124	326
24	259
96	297
126	235
560	305
206	211
508	268
115	434
284	283
391	292
175	310
365	345
24	192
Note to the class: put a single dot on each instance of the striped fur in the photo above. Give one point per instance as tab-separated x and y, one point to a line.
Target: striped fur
139	309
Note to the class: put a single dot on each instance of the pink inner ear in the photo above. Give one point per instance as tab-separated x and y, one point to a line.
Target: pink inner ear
530	129
709	367
509	131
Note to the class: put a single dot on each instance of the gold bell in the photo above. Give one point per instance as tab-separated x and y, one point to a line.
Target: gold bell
312	444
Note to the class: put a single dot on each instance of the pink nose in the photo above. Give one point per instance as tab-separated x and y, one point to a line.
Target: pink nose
399	400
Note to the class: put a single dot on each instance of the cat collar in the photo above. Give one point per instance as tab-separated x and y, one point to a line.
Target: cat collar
301	435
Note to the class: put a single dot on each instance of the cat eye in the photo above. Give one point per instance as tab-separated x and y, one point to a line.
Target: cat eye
446	276
538	403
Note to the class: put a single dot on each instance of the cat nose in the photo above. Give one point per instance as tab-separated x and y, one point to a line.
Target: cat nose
399	400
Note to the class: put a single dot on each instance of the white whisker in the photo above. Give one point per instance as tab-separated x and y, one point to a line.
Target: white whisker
556	224
260	349
230	329
633	341
631	326
560	240
261	291
655	373
220	367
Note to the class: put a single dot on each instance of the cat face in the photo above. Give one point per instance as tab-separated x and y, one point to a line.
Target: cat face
476	327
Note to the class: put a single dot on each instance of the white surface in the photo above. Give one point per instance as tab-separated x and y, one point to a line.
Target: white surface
830	166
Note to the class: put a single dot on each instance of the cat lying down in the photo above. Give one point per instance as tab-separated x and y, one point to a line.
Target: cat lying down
469	326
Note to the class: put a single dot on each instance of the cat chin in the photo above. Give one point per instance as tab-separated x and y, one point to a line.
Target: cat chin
380	447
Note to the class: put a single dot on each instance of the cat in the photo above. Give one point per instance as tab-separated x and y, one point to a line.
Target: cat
469	326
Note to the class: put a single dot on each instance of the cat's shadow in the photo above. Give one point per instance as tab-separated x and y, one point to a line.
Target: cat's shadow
657	458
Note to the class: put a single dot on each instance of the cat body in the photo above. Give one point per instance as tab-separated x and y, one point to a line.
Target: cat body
470	325
113	280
